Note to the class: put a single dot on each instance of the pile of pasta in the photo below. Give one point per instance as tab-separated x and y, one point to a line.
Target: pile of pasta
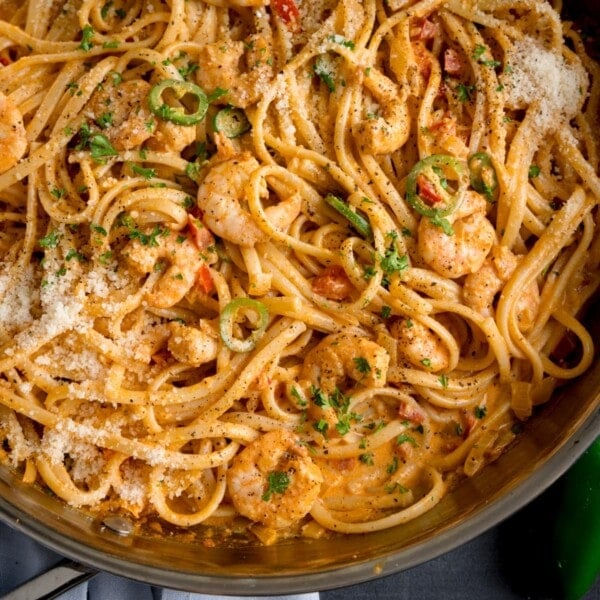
289	266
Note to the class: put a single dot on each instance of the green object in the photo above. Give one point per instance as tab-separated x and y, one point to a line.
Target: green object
177	114
357	221
232	122
229	316
436	184
483	175
577	534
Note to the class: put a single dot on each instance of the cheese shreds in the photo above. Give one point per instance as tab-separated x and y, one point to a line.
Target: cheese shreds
534	75
17	299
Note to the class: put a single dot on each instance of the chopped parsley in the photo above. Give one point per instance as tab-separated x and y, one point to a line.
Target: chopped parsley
405	437
339	403
534	171
321	426
442	223
393	466
106	257
443	379
362	365
148	239
393	262
188	70
338	39
386	311
105	8
480	411
366	458
278	482
98	144
87	33
58	192
72	254
393	487
50	240
143	172
300	401
98	229
322	71
105	120
464	92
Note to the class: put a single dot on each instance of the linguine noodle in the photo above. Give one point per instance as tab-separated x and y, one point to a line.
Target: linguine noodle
293	265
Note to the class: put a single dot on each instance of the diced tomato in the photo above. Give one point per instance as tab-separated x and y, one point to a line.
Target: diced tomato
427	192
333	283
470	421
453	62
429	30
288	12
411	413
344	464
4	61
204	279
201	235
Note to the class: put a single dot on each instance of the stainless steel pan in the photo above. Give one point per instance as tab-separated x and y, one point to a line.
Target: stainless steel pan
549	444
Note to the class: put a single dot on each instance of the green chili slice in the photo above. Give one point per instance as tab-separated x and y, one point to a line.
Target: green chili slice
483	175
178	89
230	316
232	122
436	185
356	220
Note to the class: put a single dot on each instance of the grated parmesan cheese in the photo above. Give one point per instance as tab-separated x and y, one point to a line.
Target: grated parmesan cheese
18	297
537	75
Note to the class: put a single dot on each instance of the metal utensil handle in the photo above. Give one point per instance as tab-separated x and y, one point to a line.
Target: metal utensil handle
58	579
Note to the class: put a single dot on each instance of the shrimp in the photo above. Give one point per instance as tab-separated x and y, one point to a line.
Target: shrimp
122	112
170	137
466	249
386	133
221	196
420	346
273	480
182	263
481	287
342	355
243	68
13	138
193	345
443	136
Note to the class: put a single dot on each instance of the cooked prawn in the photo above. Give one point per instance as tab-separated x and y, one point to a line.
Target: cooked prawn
182	263
466	249
419	345
342	355
243	68
193	345
480	288
221	196
273	480
13	139
384	133
122	113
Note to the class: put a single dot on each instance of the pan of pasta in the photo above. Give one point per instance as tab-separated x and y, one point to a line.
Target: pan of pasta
293	293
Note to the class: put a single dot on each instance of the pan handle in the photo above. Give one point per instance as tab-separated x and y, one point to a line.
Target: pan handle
58	579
